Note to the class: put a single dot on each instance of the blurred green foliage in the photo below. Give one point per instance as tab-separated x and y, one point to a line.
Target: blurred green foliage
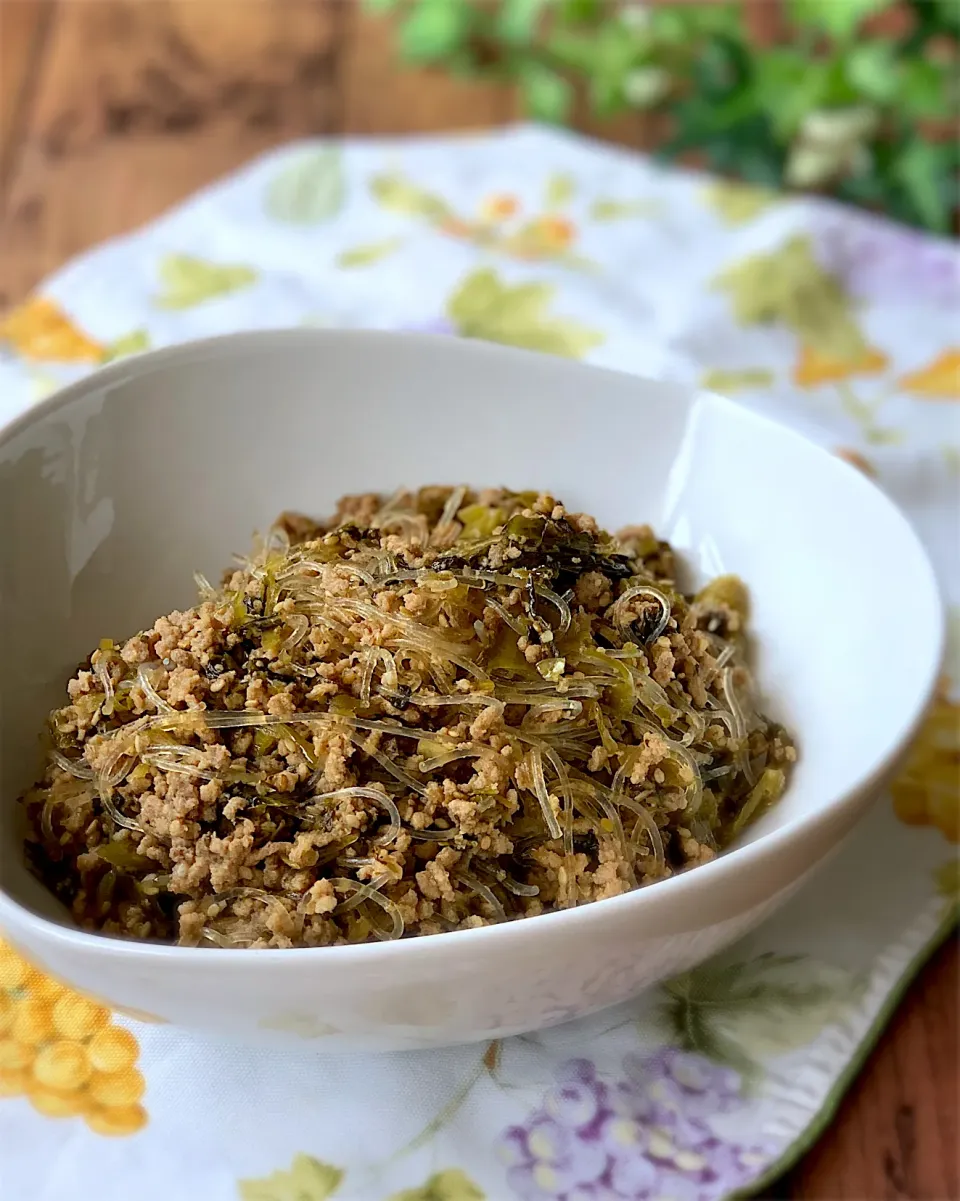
840	108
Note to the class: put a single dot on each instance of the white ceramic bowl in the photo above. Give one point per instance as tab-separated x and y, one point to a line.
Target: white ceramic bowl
115	491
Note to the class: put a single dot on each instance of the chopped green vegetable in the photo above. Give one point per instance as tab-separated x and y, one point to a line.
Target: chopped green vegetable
446	708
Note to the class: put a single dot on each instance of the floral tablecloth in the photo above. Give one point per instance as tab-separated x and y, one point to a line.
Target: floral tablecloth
838	323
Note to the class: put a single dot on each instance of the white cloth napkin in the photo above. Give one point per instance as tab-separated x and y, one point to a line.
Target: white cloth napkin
838	323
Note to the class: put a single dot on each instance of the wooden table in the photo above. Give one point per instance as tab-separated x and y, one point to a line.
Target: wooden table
113	110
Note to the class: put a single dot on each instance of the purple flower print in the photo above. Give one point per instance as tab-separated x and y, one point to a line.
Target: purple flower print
876	261
647	1135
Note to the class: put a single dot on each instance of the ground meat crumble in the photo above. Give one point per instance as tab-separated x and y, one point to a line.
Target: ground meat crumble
435	711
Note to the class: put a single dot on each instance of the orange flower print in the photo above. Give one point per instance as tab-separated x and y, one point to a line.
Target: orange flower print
62	1052
39	329
939	381
556	232
927	791
547	237
814	368
499	207
456	228
498	224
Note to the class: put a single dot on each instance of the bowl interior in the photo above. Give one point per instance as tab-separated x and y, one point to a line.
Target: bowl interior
115	492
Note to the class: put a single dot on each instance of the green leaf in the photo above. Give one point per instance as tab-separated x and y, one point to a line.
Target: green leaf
434	29
368	253
580	11
188	281
924	88
873	70
945	15
670	25
721	68
309	190
449	1185
517	21
788	87
381	6
838	18
133	343
919	170
547	95
574	51
646	87
720	19
606	95
559	190
307	1180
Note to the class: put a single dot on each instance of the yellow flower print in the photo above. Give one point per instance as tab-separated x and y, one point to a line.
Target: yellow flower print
814	368
927	791
39	329
62	1052
939	381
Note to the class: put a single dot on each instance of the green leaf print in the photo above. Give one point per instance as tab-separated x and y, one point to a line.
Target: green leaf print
307	1180
608	209
133	343
449	1185
738	1013
308	190
864	413
738	203
394	191
368	253
731	381
789	287
188	281
485	307
559	191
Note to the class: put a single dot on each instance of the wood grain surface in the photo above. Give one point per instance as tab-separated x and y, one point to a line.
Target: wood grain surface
113	110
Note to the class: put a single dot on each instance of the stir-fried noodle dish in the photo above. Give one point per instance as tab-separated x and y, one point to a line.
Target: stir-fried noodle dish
439	710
